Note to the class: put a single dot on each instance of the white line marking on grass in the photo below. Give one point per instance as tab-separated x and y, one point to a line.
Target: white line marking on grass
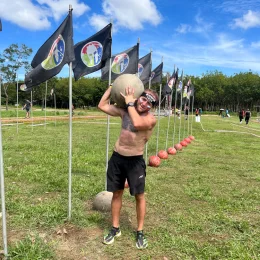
229	131
206	130
38	124
11	124
246	127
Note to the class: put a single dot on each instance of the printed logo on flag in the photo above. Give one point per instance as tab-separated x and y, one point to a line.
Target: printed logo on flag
152	75
171	82
120	63
91	53
23	87
55	55
140	69
180	86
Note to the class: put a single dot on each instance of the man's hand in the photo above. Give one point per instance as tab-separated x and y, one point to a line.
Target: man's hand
129	95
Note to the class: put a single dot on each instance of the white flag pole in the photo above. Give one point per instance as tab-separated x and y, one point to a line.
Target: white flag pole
32	107
70	136
181	110
146	145
158	125
17	103
174	111
192	113
2	181
46	86
108	116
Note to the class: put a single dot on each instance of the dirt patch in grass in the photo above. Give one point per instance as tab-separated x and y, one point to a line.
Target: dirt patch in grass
72	243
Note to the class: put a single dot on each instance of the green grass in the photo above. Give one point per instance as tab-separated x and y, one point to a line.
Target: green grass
202	203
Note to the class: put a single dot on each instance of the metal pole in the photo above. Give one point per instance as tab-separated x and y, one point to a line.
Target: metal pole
46	85
32	107
70	138
108	117
2	184
158	125
17	103
146	145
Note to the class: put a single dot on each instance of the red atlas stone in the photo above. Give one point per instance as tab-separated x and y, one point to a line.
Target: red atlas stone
163	154
188	140
171	150
184	143
154	161
178	147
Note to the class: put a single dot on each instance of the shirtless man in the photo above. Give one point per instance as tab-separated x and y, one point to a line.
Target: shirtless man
126	162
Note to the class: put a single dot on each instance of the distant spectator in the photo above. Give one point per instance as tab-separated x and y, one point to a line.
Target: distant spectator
247	115
241	115
200	111
27	107
227	113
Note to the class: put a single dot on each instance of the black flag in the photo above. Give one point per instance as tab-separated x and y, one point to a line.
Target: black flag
156	75
145	67
57	51
167	90
91	54
125	62
0	25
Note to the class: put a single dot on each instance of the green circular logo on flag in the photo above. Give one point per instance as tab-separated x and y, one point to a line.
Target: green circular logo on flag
56	54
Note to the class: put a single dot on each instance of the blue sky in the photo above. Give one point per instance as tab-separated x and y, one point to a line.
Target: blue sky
196	36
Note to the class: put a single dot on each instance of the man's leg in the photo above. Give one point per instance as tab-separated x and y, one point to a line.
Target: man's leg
140	210
141	241
116	205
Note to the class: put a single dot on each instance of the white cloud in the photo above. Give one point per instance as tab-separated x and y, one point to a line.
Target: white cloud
183	28
129	14
200	26
222	52
99	21
61	7
35	17
249	20
255	44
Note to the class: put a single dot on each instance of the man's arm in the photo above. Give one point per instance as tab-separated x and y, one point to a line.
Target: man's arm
145	122
106	107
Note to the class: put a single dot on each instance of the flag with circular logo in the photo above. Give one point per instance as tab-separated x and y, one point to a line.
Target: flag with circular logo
145	67
125	62
57	51
91	54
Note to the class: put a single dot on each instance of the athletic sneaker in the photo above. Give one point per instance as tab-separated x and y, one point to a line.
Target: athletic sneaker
141	241
109	238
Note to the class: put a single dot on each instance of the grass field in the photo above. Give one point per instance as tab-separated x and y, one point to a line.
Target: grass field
202	203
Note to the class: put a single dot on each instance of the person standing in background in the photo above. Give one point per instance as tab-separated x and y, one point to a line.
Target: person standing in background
247	115
27	107
241	114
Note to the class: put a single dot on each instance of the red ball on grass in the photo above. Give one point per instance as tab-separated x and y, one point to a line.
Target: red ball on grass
187	140
154	161
192	137
172	150
162	154
184	143
178	147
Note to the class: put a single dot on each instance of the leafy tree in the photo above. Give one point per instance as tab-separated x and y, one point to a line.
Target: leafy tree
13	58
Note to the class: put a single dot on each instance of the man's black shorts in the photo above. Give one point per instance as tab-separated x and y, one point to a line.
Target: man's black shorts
132	168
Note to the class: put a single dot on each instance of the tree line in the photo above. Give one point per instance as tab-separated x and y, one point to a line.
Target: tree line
213	90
